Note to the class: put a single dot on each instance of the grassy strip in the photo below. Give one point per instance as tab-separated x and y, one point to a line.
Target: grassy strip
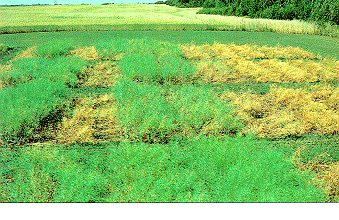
325	46
159	63
199	170
331	31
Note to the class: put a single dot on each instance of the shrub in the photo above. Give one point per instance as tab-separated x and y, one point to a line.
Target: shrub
7	52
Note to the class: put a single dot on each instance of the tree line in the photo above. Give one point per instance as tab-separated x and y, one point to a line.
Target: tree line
320	11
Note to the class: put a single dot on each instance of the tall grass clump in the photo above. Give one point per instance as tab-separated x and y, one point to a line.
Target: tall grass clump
111	50
29	108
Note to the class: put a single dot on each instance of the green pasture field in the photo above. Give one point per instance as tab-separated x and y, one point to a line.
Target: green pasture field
126	115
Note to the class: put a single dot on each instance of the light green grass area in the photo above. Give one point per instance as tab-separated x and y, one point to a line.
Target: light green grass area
138	17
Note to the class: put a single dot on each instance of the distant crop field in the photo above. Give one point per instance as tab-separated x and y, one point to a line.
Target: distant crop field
166	116
132	17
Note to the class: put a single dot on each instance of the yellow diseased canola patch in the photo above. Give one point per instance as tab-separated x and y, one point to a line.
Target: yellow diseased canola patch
86	53
289	112
331	177
228	51
220	63
102	74
93	121
327	174
28	53
4	67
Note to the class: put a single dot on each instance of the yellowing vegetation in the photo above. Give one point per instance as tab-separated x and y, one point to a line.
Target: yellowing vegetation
86	53
220	63
4	67
331	178
102	74
228	51
93	121
327	175
289	112
28	53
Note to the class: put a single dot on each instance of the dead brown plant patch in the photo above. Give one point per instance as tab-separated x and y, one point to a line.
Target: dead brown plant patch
331	177
289	112
86	53
102	74
28	53
5	67
327	174
93	121
220	63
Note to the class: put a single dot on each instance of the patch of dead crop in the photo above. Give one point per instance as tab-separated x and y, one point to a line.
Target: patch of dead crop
289	112
102	74
28	53
220	63
93	121
5	67
331	178
86	53
327	174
